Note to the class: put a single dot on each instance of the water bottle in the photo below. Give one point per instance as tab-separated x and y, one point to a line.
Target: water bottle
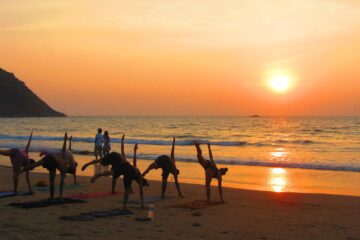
151	212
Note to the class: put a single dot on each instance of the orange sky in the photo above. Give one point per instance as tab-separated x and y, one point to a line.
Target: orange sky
185	57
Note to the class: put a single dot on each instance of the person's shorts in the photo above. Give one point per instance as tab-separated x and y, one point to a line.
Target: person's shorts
98	150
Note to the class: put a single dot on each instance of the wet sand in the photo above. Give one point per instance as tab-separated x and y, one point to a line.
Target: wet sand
246	215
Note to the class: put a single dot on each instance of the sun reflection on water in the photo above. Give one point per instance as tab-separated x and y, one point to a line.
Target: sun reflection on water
278	179
279	154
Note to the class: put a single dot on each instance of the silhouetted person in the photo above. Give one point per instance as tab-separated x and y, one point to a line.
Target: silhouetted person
119	167
167	164
98	148
211	171
19	159
61	161
113	163
106	146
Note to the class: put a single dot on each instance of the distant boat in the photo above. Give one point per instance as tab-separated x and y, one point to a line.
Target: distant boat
254	116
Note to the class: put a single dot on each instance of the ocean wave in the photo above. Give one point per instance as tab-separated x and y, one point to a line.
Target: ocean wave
228	161
297	142
318	131
129	141
257	163
185	140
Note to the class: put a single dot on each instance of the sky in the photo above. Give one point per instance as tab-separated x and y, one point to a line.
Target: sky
166	57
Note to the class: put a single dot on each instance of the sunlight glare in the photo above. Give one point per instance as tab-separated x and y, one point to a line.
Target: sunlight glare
280	83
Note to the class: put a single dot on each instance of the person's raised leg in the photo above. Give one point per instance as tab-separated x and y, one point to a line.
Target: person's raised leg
200	157
29	142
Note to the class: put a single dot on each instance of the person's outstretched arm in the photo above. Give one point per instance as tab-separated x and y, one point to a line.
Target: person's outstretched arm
151	166
200	157
173	150
134	157
211	156
122	146
70	142
90	163
29	142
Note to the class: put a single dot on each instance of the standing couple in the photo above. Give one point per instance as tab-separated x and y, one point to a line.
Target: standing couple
102	146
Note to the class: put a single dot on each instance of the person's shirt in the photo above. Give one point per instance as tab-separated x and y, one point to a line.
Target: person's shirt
98	140
106	140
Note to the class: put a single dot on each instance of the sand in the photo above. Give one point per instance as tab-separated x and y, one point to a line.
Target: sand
246	214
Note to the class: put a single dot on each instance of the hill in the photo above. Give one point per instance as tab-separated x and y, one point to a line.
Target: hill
17	100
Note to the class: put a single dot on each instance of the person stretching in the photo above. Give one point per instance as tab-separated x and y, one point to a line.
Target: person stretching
20	159
211	171
120	167
167	164
113	163
62	161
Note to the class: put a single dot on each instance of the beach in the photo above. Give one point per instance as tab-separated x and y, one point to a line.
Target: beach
247	214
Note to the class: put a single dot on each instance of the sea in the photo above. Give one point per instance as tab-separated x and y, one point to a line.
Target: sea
281	154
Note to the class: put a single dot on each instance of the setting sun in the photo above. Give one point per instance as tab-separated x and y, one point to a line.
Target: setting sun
279	84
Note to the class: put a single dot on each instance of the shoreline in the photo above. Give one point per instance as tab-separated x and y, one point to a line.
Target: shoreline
251	177
250	214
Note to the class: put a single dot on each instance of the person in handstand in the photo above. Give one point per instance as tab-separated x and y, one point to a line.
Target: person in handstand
62	161
167	164
120	167
211	171
20	159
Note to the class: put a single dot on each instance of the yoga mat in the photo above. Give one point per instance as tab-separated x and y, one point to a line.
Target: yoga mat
5	194
46	203
150	199
93	195
197	204
90	216
66	187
